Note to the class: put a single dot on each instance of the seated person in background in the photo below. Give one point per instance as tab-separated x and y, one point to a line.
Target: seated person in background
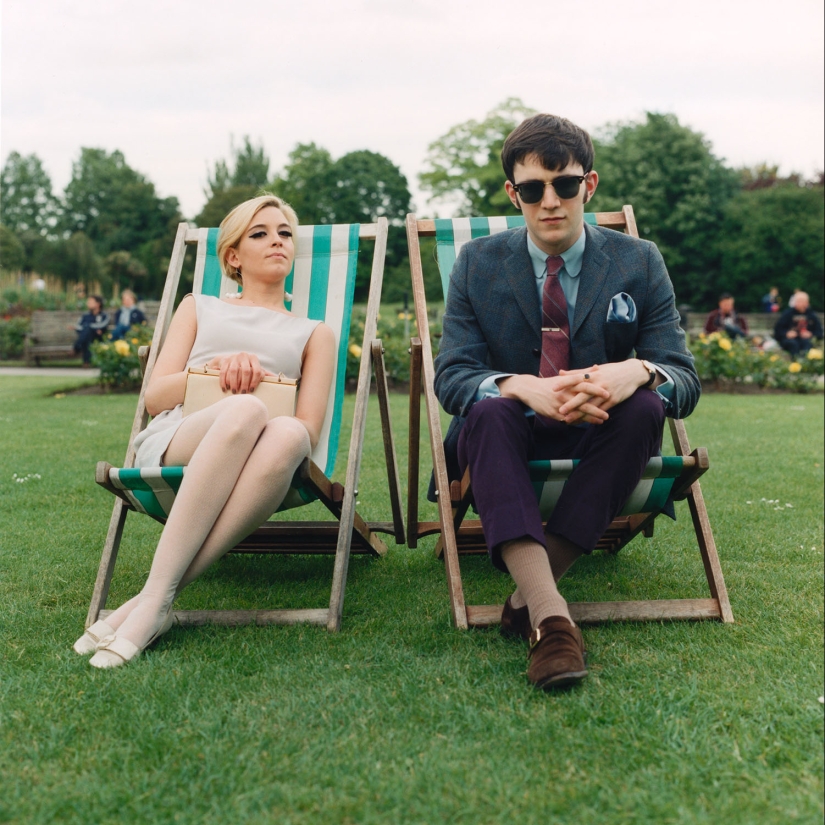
770	302
239	462
725	319
128	315
90	328
798	326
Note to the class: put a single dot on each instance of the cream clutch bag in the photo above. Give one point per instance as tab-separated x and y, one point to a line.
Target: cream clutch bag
203	388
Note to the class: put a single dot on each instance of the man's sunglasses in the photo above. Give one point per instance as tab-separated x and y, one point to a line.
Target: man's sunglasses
566	186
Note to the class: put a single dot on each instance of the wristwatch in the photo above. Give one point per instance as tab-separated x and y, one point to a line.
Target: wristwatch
651	374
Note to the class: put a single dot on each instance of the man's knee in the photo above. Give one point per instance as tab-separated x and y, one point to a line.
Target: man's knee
493	413
644	408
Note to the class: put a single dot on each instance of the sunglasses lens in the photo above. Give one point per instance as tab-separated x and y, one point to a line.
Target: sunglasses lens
531	191
567	187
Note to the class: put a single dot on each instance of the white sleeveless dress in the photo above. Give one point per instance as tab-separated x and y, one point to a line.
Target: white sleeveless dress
277	339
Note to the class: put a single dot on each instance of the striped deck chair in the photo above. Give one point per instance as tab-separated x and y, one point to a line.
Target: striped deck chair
322	284
666	478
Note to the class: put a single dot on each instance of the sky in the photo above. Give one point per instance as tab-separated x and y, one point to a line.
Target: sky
170	82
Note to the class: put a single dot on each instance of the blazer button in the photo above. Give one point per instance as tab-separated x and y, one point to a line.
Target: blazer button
537	352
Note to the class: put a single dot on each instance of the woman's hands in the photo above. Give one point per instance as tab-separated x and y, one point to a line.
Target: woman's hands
240	373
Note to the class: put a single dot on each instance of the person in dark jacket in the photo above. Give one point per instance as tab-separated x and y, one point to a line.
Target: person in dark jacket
798	326
128	315
90	327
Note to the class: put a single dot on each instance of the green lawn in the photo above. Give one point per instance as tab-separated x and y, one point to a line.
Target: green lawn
400	718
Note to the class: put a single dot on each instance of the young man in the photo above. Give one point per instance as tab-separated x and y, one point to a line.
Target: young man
535	363
726	319
90	328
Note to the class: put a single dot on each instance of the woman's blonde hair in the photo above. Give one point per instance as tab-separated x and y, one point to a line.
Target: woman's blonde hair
235	223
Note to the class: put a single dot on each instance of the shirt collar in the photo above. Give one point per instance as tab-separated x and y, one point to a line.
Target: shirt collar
572	257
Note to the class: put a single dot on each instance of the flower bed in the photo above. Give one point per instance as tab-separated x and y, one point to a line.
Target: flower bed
727	363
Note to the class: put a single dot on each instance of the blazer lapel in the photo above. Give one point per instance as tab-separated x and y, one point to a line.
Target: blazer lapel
592	278
518	270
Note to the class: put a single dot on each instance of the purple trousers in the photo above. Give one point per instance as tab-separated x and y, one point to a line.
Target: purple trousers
497	441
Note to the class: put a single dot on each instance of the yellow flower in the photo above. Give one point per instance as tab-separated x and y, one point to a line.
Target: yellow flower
725	344
794	366
121	348
135	341
355	350
814	354
714	336
773	358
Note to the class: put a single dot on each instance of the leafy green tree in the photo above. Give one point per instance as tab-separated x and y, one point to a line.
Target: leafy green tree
465	163
305	183
773	236
117	208
221	203
26	200
678	189
249	167
12	251
124	270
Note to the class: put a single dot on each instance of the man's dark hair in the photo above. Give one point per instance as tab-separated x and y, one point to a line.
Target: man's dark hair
555	141
724	296
99	299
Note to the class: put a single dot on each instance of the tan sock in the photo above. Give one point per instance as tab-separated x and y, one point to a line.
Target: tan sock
562	554
527	563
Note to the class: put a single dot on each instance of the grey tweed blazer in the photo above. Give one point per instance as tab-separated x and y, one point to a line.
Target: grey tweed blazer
492	320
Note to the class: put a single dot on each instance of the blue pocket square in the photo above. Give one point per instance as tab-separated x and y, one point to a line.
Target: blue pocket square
622	309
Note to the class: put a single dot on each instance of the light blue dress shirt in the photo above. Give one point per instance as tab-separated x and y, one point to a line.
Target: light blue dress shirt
621	308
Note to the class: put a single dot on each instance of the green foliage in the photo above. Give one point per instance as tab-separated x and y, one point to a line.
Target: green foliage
118	360
250	168
395	333
12	251
118	209
222	203
26	199
13	331
725	362
678	190
773	236
124	270
465	163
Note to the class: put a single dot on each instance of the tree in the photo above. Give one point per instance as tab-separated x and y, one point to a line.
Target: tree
678	190
118	209
773	236
26	200
12	251
305	183
465	163
250	167
122	269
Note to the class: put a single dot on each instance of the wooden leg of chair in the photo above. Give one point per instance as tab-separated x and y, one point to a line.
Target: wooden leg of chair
389	444
107	561
413	454
707	547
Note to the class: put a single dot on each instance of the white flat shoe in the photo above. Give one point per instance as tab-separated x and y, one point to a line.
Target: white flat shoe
87	643
114	651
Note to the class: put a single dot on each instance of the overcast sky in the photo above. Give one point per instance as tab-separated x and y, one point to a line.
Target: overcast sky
168	81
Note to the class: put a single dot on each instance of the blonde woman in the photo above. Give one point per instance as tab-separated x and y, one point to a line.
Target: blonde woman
238	464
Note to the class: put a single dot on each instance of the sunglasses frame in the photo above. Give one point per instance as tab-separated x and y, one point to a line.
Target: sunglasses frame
579	178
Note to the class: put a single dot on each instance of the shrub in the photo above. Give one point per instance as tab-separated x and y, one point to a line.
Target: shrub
118	360
391	328
13	336
722	361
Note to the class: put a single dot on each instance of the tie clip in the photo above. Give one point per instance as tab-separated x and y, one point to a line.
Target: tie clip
551	329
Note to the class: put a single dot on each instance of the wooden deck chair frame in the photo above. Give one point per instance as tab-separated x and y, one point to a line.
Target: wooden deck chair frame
458	536
351	533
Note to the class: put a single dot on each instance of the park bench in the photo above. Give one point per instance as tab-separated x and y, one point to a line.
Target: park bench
52	333
759	323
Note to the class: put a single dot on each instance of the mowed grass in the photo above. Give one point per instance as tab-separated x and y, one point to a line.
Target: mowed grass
400	718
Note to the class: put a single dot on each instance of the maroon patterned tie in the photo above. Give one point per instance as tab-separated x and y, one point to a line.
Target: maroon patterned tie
555	328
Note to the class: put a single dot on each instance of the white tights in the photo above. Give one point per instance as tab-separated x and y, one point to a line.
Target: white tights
238	469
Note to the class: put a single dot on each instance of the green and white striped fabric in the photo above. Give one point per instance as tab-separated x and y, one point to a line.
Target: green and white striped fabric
651	493
548	477
452	234
322	284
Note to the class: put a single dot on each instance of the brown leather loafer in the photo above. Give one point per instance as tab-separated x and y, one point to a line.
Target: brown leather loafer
557	655
515	621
